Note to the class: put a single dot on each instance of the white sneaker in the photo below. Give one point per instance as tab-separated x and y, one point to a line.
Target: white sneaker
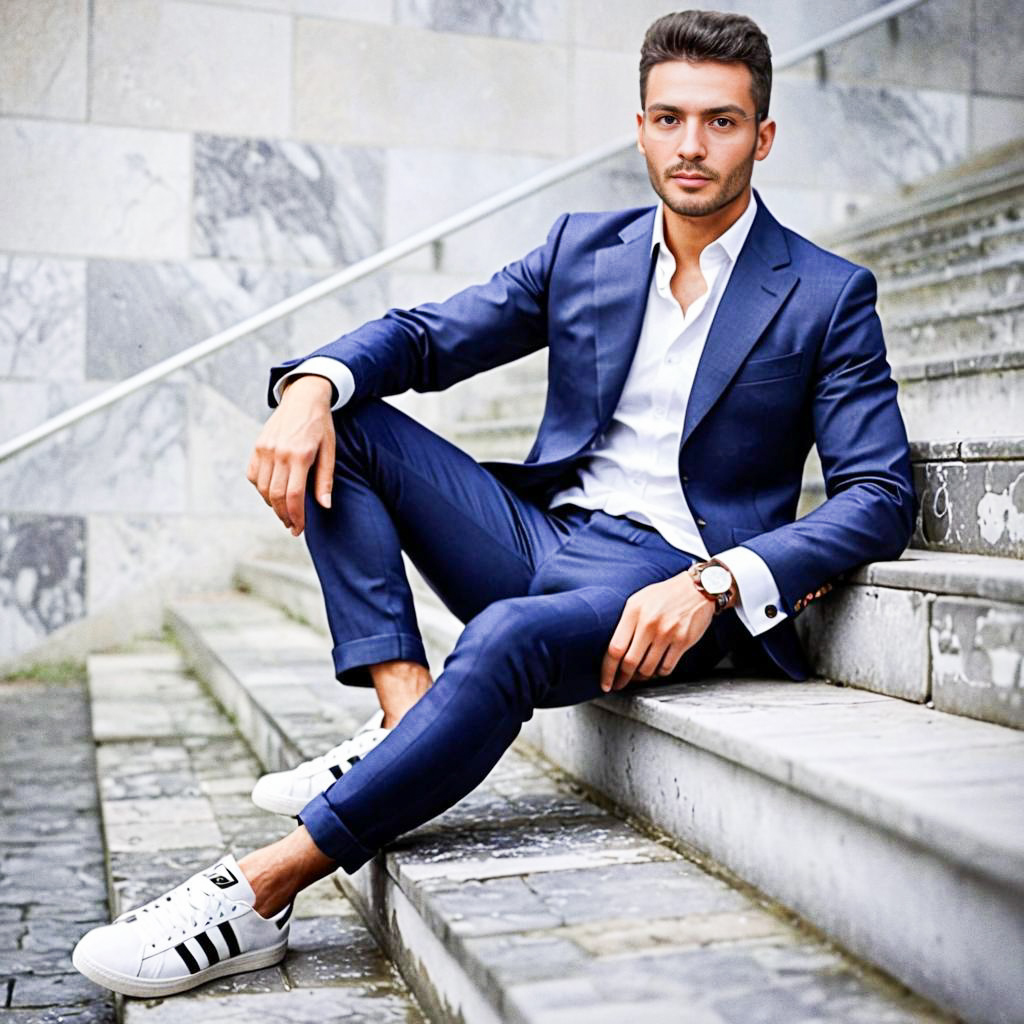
203	929
288	792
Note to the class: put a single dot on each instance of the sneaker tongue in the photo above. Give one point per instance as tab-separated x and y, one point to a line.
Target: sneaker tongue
227	876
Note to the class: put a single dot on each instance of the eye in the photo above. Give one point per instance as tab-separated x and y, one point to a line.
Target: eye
667	120
722	123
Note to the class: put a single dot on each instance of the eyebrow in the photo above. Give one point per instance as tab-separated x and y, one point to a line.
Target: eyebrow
729	108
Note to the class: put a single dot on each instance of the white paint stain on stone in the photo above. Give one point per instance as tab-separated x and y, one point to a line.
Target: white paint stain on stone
1002	511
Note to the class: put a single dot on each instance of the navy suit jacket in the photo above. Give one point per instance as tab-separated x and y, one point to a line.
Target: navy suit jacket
795	356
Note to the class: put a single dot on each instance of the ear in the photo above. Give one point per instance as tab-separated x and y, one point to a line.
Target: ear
640	131
765	138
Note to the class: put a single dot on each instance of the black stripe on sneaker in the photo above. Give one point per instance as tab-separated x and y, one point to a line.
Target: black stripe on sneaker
283	919
354	758
212	956
229	937
336	771
189	960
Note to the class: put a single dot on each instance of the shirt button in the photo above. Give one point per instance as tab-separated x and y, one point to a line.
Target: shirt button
771	611
685	479
700	522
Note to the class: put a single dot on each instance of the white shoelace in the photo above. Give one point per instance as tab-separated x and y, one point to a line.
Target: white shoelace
182	912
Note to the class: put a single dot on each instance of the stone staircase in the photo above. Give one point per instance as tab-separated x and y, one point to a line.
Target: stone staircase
530	901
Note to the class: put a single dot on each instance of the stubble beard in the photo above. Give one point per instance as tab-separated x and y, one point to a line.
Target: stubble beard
702	206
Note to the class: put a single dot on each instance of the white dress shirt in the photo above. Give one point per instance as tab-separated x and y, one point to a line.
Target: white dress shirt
633	467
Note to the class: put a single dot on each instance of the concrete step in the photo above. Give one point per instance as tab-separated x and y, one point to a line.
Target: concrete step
958	204
979	397
934	627
527	902
975	329
175	779
895	829
954	290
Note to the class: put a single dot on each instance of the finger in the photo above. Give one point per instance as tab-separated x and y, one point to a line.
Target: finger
617	646
264	474
671	657
277	490
648	667
295	495
632	658
323	482
252	471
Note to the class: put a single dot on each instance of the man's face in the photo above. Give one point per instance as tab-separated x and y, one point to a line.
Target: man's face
699	135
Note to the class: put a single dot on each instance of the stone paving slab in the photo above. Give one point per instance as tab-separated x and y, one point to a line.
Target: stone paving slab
52	884
516	902
172	803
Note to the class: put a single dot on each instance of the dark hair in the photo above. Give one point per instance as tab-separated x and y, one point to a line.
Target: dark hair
710	35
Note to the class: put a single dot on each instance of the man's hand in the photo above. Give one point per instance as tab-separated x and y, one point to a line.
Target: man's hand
658	625
299	432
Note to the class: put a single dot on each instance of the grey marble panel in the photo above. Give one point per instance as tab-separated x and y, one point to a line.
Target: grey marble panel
286	202
130	458
510	19
858	138
1000	40
42	576
42	318
140	313
43	66
978	659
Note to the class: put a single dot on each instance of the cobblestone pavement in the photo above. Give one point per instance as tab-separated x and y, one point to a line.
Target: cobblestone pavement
52	883
175	780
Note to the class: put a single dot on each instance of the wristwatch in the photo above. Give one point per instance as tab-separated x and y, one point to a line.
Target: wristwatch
714	581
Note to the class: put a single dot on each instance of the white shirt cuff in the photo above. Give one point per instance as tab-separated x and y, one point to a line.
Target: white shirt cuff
335	371
761	606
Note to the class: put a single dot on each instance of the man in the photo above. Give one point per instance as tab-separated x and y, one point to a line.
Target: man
696	351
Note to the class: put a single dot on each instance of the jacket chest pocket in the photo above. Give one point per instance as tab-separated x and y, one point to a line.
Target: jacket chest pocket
770	369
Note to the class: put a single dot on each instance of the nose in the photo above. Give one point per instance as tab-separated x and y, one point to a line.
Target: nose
690	143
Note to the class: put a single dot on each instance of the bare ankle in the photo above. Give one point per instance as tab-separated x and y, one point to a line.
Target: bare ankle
399	685
278	872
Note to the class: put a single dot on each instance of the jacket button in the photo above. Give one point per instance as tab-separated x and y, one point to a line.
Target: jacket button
771	611
700	522
685	479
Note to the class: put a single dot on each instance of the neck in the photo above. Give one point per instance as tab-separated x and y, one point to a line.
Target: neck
687	237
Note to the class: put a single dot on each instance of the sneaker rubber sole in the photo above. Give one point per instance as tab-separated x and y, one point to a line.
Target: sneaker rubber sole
151	988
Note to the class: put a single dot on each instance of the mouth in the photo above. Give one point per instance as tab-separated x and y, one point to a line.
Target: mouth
690	180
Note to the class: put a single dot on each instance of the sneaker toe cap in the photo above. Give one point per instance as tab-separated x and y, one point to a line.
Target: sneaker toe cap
113	947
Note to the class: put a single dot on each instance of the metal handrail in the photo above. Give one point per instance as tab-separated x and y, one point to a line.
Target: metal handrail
393	253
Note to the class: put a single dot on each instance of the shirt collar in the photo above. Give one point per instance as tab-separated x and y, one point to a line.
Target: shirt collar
731	240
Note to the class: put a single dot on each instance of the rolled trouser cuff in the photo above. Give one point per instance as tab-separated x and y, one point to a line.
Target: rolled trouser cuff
352	657
331	836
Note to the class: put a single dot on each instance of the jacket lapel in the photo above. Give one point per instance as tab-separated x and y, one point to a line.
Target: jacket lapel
622	277
757	289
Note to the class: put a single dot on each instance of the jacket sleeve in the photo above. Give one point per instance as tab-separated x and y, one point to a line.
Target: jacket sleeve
432	346
870	508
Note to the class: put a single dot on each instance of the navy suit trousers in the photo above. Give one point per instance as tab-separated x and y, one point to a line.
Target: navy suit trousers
540	593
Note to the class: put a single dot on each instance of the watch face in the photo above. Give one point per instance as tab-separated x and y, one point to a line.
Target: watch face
715	580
